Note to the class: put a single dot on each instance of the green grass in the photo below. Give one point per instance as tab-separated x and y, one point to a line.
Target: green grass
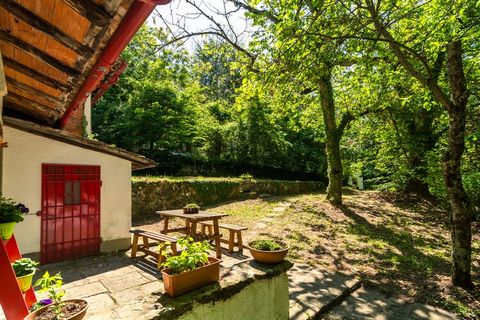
401	249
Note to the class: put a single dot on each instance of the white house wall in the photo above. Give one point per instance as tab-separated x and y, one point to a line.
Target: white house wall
22	179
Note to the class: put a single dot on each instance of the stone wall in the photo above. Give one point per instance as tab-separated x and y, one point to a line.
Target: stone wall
263	300
247	290
150	194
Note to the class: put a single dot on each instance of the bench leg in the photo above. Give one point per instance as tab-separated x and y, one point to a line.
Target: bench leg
146	245
216	234
174	248
231	241
210	230
239	241
133	254
161	249
204	232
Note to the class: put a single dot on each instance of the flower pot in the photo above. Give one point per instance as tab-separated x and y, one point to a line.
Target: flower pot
269	257
24	282
190	210
6	230
74	304
178	284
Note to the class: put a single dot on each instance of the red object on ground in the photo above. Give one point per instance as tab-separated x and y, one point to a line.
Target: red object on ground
15	304
70	212
132	21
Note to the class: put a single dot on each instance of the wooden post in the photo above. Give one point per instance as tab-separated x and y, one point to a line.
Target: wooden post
216	235
3	92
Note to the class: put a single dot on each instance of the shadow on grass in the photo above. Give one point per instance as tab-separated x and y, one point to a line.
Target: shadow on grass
407	263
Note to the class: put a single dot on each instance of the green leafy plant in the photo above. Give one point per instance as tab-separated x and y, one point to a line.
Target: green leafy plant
194	255
266	245
24	266
246	176
11	211
52	285
192	206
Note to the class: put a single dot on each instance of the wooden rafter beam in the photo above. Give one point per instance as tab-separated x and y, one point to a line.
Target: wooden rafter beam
39	54
44	26
34	107
12	106
97	15
22	86
36	75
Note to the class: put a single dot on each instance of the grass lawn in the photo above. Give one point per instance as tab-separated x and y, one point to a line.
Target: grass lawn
400	247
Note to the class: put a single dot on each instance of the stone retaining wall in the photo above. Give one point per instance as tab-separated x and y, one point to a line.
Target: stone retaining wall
150	194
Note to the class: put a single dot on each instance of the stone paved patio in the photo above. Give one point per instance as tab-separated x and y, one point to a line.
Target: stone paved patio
117	287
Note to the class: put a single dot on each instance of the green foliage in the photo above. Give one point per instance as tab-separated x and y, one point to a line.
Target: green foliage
193	256
24	266
52	286
266	245
11	211
192	206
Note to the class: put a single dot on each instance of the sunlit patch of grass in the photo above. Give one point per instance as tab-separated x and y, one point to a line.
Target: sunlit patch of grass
246	211
396	249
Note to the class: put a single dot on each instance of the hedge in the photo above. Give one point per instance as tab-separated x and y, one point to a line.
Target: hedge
150	194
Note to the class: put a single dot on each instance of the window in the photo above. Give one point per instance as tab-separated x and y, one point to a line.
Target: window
72	192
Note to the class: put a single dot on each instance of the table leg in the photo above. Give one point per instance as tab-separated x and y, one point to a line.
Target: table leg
165	225
193	229
216	234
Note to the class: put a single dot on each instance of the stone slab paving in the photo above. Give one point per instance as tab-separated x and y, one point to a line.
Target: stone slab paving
313	291
367	303
317	294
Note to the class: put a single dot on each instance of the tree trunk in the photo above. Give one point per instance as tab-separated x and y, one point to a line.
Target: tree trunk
461	208
334	160
416	181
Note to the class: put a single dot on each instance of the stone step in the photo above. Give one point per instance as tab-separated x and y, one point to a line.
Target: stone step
367	303
314	292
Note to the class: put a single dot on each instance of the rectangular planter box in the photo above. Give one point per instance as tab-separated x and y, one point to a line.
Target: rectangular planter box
181	283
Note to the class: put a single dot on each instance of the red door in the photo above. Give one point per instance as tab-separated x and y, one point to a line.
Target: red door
70	212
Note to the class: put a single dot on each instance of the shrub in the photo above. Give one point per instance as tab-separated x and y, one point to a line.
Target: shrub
24	266
194	255
192	206
11	211
266	245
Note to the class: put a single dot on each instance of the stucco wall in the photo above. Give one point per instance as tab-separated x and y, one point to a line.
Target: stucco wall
262	300
22	168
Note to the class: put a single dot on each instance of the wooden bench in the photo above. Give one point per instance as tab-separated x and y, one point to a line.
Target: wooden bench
162	239
234	231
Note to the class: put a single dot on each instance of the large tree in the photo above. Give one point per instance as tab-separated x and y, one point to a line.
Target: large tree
417	33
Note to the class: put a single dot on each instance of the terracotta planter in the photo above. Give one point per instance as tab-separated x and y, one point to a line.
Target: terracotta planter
6	230
190	210
269	257
181	283
24	282
78	316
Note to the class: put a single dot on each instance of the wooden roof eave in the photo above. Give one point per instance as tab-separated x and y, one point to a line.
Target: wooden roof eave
103	16
138	161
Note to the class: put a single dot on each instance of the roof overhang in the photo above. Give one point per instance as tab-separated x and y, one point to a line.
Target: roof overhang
138	161
55	52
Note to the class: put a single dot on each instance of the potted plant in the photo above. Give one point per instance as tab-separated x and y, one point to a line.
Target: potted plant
268	251
54	307
191	269
191	208
24	270
10	214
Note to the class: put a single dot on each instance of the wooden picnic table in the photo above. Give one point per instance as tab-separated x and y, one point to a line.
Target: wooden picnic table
191	221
